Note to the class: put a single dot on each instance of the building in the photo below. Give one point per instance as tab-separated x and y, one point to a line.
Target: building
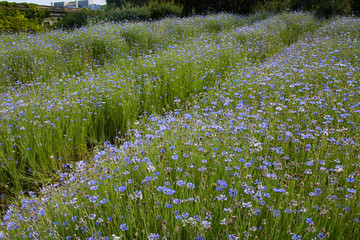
77	4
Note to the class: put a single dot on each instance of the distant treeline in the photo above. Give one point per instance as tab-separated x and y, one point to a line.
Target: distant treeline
321	7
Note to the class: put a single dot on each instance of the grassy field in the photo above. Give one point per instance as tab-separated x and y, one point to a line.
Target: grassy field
211	127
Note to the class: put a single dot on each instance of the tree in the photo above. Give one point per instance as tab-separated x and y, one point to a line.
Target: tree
124	3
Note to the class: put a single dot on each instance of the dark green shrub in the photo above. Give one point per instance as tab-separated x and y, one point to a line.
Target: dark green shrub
260	15
128	14
81	18
161	9
271	6
21	17
326	8
73	20
355	6
154	10
322	8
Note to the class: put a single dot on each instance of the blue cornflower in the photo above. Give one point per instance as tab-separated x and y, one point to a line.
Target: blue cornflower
257	212
309	221
180	183
321	235
92	182
169	191
248	164
41	212
190	185
267	195
232	192
124	227
121	188
276	213
222	183
138	194
206	224
296	237
288	210
146	180
64	193
279	190
93	199
202	169
154	236
185	215
351	190
168	205
312	194
350	179
318	191
232	237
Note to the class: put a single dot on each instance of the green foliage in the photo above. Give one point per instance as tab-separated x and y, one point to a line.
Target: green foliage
321	8
326	8
126	3
272	6
79	19
161	9
355	6
154	10
21	17
129	14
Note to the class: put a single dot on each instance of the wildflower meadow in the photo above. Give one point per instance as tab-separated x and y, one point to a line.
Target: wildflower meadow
209	127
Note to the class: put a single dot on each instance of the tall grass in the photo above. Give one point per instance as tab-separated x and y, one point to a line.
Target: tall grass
248	131
148	71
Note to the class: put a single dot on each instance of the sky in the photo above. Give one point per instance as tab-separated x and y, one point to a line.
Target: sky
48	2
